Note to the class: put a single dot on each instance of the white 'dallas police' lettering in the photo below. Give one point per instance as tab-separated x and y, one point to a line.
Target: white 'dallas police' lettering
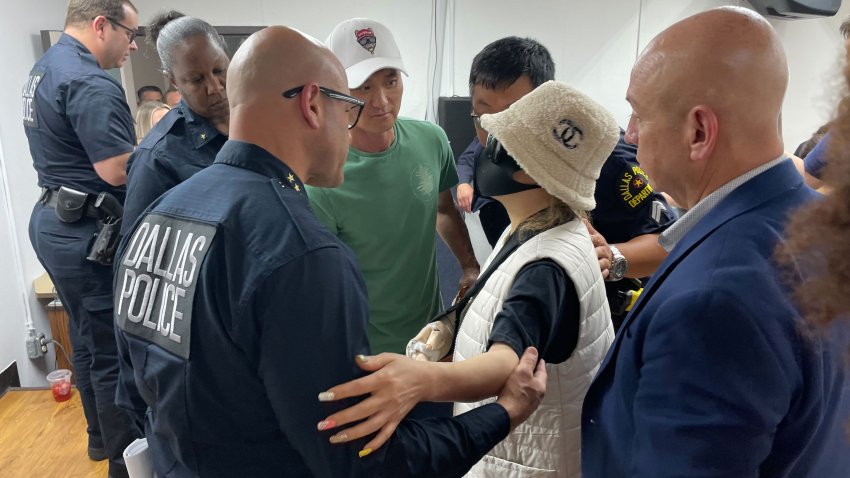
30	117
157	278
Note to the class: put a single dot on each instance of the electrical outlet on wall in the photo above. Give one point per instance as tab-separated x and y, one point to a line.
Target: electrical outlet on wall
36	345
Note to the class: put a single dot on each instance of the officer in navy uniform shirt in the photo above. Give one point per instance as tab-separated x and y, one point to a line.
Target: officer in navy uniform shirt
626	204
189	136
236	308
80	134
180	145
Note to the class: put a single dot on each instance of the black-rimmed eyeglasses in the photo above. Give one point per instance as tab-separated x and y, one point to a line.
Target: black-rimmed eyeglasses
336	95
476	120
131	34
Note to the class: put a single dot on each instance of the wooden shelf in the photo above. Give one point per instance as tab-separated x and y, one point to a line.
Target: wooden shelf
43	287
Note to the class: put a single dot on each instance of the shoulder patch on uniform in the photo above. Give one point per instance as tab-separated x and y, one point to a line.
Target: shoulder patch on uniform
633	186
157	278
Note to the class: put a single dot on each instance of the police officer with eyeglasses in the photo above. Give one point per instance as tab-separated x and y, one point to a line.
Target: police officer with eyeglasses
80	133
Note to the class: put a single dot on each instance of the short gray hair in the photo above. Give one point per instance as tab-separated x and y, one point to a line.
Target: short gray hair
170	29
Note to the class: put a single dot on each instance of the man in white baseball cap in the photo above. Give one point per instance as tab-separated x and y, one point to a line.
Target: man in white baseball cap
355	43
396	192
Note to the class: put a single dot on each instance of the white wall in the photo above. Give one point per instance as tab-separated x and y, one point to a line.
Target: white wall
591	42
19	35
594	43
410	21
815	51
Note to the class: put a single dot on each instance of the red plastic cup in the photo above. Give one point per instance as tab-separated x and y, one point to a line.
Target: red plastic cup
60	384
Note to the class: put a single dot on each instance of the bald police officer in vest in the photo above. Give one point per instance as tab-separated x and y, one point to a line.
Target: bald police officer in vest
80	134
236	307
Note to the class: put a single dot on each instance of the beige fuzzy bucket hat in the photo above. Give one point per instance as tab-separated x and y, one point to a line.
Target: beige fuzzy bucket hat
560	137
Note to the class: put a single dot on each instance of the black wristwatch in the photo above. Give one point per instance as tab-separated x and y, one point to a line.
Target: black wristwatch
619	265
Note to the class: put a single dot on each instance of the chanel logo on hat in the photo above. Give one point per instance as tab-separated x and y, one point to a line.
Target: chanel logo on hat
568	133
366	39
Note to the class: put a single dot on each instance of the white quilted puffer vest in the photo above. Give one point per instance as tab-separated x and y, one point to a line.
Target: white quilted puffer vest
548	444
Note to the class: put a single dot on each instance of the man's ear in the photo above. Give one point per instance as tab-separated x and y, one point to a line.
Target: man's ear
309	103
702	128
99	25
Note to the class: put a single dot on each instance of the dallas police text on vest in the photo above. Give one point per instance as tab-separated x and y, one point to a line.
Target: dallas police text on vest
157	280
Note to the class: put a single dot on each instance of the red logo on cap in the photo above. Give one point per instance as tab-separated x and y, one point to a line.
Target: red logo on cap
366	39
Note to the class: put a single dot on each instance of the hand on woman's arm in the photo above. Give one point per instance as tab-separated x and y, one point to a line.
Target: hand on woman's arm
396	385
540	295
399	383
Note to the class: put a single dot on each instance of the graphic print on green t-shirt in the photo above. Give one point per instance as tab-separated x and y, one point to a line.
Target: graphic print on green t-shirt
386	212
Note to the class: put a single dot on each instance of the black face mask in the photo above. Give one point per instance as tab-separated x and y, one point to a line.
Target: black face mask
494	171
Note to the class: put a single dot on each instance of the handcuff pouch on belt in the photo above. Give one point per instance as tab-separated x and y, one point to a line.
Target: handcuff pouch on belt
71	204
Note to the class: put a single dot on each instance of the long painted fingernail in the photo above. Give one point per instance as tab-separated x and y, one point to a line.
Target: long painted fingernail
364	452
326	396
325	424
362	358
339	438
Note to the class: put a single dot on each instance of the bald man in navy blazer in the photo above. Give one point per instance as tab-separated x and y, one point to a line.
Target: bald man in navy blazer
711	374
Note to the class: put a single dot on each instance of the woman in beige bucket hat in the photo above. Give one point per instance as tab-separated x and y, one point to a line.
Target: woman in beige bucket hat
541	287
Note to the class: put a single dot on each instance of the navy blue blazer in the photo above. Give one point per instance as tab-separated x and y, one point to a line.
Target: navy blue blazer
709	375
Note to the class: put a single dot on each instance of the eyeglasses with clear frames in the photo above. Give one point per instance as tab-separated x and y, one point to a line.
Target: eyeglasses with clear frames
131	34
336	95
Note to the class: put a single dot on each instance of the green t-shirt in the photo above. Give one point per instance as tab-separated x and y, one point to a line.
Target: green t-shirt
386	212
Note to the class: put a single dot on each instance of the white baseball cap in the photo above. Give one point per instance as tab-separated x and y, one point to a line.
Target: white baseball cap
363	47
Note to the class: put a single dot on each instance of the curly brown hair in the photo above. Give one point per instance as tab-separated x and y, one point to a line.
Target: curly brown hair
818	235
